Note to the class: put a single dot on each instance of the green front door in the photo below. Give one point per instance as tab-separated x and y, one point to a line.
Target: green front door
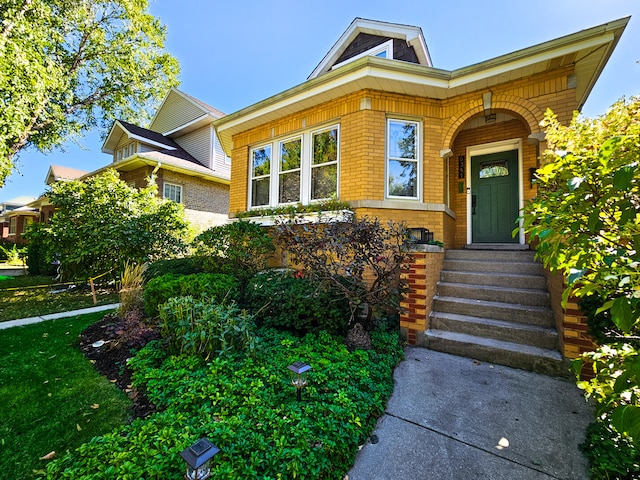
494	197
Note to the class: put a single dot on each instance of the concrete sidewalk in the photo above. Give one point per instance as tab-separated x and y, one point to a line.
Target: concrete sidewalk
53	316
452	418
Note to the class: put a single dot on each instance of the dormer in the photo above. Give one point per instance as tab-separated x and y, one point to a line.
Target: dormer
125	140
377	39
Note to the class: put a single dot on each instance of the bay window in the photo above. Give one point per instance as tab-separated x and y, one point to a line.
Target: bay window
298	169
403	159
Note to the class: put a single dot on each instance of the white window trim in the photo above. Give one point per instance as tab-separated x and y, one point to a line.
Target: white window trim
164	191
305	168
275	185
386	47
13	221
269	176
418	197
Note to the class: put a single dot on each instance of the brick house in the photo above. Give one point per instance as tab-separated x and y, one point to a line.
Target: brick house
15	216
378	126
181	149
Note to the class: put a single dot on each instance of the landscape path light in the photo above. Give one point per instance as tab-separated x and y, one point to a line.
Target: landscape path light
299	376
198	457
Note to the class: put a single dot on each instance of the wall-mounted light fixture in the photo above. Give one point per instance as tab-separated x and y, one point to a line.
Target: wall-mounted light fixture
489	117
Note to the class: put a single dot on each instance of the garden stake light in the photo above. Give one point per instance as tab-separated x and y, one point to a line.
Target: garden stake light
299	376
198	457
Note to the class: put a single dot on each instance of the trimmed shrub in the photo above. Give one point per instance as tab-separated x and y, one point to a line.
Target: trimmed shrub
281	300
39	251
240	248
178	266
215	286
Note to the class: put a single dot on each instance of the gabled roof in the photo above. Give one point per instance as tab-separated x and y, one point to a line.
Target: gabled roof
144	135
588	51
412	35
59	172
181	113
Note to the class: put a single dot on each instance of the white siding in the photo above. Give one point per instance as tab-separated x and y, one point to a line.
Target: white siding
221	163
197	144
175	112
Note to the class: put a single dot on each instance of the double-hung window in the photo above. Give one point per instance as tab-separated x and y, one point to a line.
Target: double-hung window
173	192
290	168
403	159
298	169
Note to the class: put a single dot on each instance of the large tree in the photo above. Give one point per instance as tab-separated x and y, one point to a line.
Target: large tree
101	223
67	66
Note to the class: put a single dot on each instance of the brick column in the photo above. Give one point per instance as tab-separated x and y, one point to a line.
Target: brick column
575	338
422	275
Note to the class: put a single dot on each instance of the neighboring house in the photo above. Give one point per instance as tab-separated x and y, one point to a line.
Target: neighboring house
15	217
378	126
56	173
182	150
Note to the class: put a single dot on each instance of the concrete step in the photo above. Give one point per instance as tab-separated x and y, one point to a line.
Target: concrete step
529	314
519	296
538	336
516	355
514	280
488	266
491	255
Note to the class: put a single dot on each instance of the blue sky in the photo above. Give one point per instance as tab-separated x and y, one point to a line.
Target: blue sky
235	53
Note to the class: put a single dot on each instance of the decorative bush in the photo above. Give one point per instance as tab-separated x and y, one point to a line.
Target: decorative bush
285	301
247	407
204	328
178	266
215	286
359	257
240	248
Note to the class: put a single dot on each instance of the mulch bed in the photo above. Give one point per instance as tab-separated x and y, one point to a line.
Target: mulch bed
110	359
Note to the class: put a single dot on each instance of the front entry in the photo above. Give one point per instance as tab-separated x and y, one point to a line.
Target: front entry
494	197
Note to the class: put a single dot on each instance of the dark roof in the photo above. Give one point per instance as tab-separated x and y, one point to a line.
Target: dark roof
176	151
148	134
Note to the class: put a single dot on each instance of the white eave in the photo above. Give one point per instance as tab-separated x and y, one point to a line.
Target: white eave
588	51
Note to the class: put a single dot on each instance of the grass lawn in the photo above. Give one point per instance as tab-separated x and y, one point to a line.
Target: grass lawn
52	398
30	302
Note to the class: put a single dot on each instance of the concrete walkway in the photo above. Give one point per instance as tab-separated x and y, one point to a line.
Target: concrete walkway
28	321
452	418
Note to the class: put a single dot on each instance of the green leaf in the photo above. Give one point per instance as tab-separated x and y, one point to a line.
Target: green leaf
622	315
626	419
575	274
623	178
594	223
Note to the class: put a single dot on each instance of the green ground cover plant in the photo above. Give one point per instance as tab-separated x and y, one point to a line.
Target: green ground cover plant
18	298
52	398
247	406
